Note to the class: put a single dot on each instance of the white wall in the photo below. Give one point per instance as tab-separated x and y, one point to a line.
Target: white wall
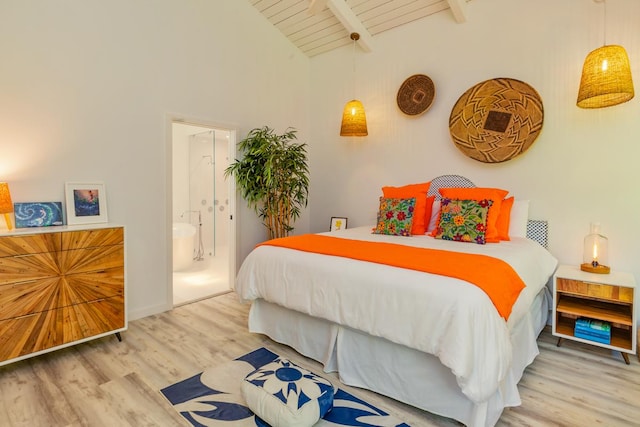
582	168
87	88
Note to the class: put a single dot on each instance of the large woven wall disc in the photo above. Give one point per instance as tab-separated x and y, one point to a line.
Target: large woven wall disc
416	94
496	120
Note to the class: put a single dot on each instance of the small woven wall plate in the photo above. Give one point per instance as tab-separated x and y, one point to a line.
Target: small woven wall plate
416	94
496	120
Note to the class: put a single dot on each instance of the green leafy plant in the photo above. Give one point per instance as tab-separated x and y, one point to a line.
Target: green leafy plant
273	177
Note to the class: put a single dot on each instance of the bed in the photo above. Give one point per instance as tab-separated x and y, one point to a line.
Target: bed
432	341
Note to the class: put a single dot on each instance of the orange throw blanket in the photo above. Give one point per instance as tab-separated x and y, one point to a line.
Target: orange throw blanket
494	276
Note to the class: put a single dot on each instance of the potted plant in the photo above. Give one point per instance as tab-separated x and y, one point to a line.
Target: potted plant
273	177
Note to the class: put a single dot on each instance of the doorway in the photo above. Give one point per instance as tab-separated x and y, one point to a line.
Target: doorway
203	235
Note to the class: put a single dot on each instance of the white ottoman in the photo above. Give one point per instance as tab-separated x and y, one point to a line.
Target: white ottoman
286	395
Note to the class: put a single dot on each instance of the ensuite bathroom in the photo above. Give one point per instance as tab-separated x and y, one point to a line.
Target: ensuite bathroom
201	213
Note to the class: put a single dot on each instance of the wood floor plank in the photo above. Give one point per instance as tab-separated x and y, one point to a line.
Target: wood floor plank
148	409
106	383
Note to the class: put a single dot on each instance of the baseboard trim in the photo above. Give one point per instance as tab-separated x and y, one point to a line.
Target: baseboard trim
148	311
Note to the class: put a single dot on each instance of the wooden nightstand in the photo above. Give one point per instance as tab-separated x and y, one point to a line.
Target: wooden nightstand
607	297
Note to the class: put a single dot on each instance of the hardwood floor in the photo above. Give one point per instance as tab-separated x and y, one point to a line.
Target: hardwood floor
107	383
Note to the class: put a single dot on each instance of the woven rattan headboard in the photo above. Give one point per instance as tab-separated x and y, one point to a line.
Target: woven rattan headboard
537	230
448	181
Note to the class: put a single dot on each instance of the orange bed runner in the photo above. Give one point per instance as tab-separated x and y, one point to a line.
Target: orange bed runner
494	276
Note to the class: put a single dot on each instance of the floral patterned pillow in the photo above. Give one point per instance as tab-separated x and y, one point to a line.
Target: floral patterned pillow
463	220
395	216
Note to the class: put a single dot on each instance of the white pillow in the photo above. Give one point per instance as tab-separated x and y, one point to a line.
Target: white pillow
518	219
285	395
435	210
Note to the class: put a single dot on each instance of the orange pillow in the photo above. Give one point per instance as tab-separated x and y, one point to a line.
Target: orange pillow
419	191
504	218
479	193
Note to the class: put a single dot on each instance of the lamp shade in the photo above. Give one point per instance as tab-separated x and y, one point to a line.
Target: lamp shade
606	78
354	120
6	205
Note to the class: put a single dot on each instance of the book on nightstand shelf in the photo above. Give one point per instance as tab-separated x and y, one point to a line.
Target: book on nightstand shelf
593	330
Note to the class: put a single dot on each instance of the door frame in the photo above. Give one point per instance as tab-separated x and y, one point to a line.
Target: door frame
232	232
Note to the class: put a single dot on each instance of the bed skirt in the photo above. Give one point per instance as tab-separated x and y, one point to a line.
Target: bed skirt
376	364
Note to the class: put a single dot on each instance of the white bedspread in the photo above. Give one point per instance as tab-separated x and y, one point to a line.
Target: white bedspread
449	318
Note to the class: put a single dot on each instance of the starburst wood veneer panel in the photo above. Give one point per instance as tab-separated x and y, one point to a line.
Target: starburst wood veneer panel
59	287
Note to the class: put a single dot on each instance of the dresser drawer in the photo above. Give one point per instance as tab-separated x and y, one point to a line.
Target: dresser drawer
26	268
90	259
92	238
30	297
29	244
48	329
595	290
59	241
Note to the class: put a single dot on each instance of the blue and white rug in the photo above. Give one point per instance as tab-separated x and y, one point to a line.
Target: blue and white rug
213	398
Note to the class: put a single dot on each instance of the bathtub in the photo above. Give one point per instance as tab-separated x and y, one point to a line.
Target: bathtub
183	241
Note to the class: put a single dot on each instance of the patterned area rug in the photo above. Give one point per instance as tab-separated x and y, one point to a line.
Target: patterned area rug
213	398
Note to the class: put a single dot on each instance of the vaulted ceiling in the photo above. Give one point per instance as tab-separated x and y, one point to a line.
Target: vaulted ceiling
318	26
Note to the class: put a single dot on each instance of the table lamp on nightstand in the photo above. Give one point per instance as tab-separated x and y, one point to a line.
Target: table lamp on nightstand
595	258
6	205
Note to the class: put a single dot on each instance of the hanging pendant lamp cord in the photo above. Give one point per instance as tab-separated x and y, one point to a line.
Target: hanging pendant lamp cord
354	37
604	22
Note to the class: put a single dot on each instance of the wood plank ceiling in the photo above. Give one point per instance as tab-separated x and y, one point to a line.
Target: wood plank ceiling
318	26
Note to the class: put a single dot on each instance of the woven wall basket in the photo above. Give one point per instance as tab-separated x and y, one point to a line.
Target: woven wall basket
416	94
496	120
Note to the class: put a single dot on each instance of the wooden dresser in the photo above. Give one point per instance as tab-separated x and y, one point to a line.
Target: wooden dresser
60	286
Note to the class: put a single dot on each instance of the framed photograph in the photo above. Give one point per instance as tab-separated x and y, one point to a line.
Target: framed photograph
38	214
86	202
338	223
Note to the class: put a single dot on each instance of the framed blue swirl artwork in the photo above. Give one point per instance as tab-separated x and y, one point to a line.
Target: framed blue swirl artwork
38	214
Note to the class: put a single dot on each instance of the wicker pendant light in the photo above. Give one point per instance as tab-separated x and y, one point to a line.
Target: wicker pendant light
354	120
606	77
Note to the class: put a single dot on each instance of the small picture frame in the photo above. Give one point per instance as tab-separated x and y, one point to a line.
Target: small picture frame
38	214
86	202
338	223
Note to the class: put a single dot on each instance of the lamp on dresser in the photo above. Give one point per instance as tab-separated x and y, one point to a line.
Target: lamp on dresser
6	205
